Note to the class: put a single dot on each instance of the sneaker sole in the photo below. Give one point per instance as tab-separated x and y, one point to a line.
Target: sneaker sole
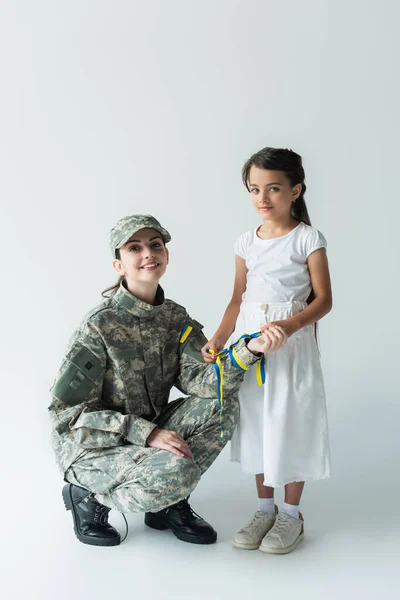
245	546
86	539
283	550
161	525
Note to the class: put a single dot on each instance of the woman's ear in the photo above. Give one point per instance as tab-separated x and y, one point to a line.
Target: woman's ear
118	266
167	253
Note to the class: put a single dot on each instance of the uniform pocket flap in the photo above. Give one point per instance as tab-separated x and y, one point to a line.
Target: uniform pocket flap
122	354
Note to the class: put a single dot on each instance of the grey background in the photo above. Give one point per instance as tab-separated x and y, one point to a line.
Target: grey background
110	108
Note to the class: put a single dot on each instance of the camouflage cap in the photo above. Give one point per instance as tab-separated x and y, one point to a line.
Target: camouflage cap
126	227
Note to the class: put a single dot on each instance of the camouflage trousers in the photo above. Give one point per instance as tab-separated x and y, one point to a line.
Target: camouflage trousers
131	478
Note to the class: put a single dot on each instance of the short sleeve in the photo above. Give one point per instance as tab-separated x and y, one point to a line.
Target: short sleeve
315	240
241	246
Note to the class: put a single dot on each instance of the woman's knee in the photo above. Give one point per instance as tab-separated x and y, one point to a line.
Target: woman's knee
175	483
182	480
158	489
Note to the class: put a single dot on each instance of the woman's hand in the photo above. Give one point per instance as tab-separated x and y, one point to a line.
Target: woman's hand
169	440
287	325
270	340
213	344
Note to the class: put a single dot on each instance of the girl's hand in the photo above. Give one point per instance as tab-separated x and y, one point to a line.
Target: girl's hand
288	327
269	341
169	440
213	344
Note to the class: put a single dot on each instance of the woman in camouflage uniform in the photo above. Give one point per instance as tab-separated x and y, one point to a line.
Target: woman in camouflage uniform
118	441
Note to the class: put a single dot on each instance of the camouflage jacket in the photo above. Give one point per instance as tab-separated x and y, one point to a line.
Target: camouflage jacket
118	371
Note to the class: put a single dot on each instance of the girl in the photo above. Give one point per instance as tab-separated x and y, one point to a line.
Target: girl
118	441
282	278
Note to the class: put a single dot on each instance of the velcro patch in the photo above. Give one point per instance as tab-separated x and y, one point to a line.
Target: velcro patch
79	378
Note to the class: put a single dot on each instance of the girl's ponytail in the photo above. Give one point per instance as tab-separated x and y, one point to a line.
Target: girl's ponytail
299	207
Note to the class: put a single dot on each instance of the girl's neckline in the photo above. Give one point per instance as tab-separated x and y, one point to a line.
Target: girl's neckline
279	236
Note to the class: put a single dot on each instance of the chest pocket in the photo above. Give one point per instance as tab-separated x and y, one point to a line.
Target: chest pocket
127	353
140	379
129	365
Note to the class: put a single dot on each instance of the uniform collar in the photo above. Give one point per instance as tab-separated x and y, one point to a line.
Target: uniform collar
138	307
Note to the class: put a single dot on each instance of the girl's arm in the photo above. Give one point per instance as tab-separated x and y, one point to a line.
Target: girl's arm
227	325
321	305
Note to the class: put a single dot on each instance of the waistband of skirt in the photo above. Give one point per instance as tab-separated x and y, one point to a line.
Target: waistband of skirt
266	305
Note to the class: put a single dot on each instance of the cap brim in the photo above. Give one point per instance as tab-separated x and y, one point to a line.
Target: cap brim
163	232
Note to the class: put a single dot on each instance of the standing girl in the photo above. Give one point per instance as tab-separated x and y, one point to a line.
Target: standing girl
282	278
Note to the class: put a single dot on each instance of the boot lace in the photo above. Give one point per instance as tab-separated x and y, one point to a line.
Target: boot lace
101	513
186	510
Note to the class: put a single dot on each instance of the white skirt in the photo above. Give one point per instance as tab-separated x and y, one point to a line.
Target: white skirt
282	430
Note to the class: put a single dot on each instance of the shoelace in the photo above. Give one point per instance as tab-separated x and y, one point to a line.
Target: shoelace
256	520
101	515
127	528
186	510
102	512
281	523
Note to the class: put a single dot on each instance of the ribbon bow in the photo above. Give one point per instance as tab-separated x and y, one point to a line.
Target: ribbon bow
233	355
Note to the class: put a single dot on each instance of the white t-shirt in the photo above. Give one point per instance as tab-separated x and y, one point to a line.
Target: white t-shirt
277	268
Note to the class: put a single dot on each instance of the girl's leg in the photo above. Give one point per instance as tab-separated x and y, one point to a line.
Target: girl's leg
266	502
262	490
293	492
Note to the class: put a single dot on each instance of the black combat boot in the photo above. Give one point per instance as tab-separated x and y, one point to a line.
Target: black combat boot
184	523
90	517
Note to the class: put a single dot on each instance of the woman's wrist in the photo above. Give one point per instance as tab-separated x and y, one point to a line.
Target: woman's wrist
252	345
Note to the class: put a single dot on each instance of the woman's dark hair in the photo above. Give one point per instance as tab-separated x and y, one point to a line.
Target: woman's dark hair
290	163
110	291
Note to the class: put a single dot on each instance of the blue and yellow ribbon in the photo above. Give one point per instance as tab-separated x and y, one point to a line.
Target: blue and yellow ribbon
233	355
185	333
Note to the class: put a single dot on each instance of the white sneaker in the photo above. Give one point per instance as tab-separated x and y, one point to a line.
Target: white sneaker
251	535
284	536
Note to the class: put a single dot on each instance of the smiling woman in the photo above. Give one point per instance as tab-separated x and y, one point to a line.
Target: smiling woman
141	262
118	440
146	242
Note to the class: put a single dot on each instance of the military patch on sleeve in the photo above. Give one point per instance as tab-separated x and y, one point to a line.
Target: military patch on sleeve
186	331
78	378
192	340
